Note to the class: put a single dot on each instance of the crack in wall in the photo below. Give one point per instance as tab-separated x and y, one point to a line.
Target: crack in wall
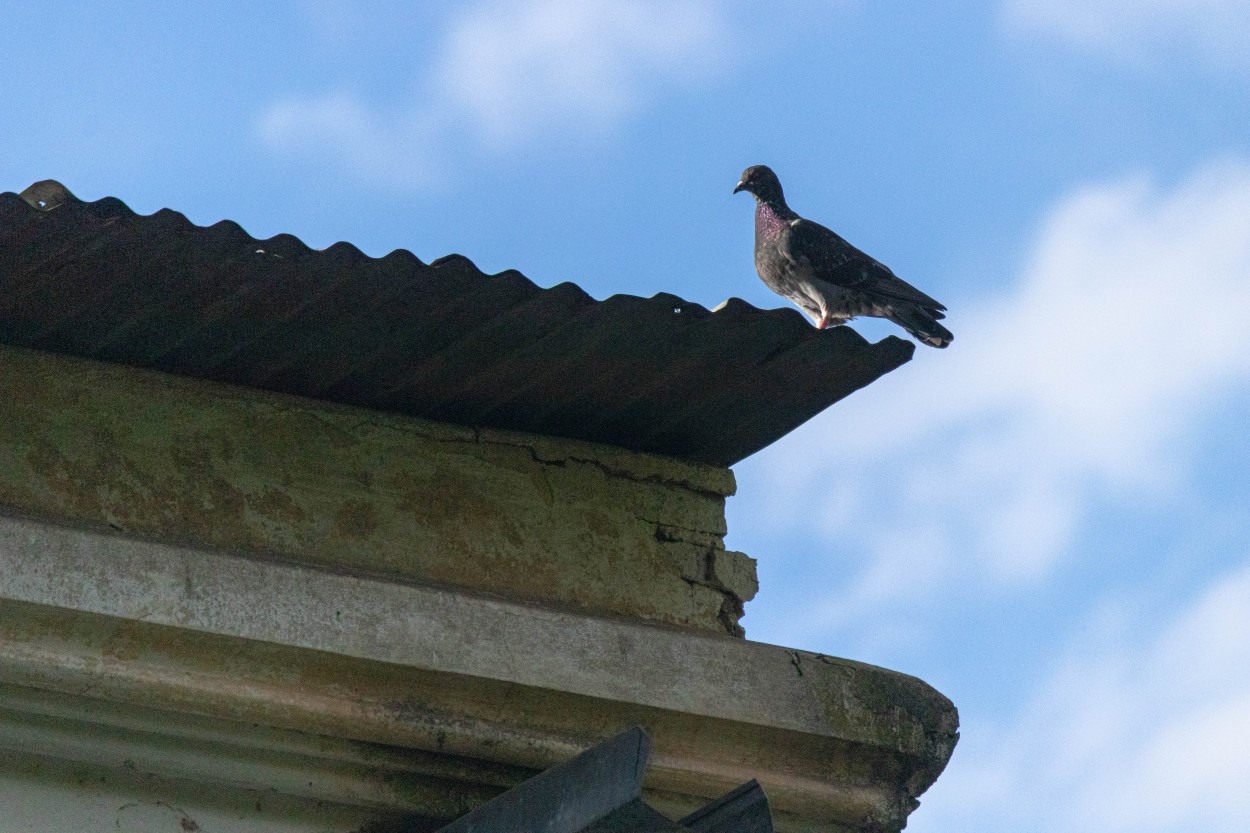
608	470
672	533
733	606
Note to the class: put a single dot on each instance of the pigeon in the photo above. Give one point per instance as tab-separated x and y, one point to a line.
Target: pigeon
829	279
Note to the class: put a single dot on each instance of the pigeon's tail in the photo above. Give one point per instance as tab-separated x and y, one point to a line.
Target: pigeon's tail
922	324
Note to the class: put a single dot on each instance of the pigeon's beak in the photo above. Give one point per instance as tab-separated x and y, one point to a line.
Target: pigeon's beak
740	186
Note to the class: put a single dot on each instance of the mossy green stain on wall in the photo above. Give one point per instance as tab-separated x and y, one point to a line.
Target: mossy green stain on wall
537	518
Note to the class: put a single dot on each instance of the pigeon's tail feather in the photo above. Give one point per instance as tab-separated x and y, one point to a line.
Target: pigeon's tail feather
922	324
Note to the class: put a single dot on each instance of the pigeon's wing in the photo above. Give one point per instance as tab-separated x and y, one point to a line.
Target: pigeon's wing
834	260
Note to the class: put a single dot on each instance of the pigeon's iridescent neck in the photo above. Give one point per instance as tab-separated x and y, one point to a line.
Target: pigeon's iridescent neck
768	221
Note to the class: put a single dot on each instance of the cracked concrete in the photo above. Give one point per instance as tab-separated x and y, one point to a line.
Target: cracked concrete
559	522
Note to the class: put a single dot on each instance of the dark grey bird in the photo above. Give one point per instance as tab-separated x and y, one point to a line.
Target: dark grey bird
829	279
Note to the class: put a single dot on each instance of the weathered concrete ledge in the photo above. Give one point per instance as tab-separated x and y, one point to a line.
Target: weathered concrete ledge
579	525
464	693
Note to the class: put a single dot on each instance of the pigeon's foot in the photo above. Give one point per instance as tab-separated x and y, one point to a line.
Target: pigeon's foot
829	321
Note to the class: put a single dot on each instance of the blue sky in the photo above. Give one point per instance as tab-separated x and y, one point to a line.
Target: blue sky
1048	521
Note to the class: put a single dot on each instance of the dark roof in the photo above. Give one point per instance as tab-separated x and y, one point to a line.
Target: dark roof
600	791
441	341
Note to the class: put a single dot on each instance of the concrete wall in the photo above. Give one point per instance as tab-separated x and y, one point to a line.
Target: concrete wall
203	677
558	522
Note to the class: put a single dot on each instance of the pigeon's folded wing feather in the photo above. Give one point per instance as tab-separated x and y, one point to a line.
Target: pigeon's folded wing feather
838	262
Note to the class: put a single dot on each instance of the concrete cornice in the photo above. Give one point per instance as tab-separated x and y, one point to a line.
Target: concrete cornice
838	745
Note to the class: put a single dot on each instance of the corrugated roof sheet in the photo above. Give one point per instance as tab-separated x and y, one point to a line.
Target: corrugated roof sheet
441	341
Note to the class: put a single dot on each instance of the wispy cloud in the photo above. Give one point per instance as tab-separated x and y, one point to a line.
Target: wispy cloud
515	70
383	148
1144	725
1141	30
1078	386
510	74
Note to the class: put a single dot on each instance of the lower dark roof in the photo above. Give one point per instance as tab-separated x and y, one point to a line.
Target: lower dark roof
441	341
600	791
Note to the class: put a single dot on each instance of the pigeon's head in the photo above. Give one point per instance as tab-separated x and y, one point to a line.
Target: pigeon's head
760	181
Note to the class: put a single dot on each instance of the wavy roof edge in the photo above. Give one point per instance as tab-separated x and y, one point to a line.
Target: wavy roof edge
442	341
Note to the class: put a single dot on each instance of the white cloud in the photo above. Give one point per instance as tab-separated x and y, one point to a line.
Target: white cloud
509	73
1144	726
1141	30
394	149
1082	384
513	69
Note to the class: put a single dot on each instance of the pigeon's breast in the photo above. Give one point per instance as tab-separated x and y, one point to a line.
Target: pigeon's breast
781	274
